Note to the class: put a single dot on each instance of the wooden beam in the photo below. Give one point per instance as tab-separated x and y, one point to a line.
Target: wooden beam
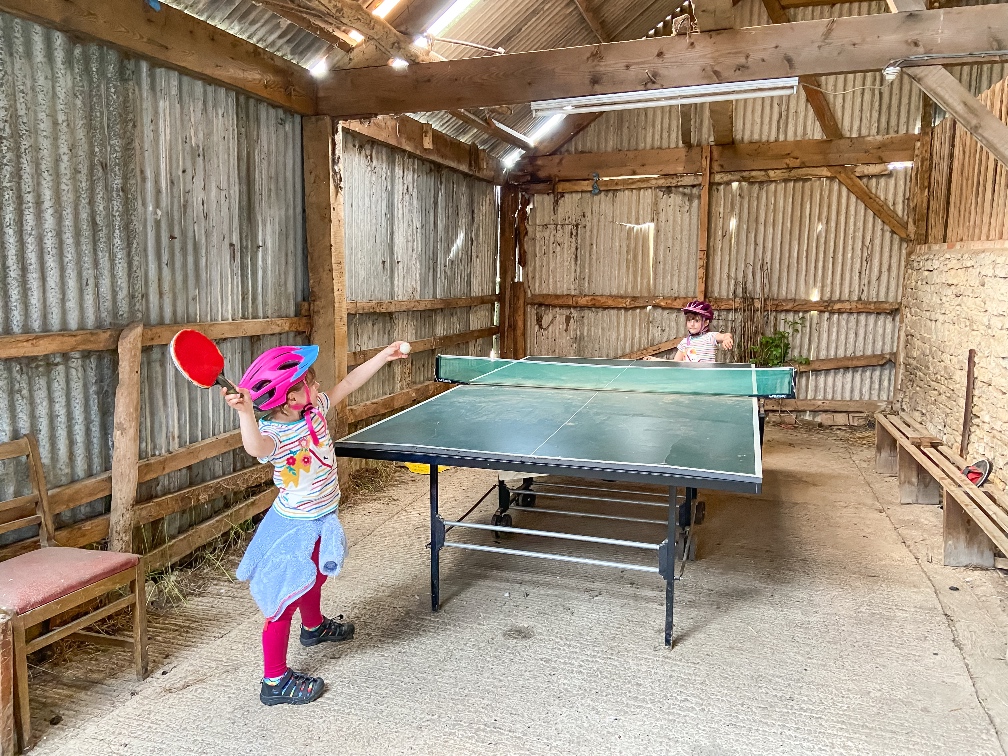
407	134
714	15
954	98
410	19
592	19
507	265
921	182
361	307
806	153
169	504
396	401
650	351
831	129
322	144
429	344
179	41
823	405
827	46
323	28
492	128
840	363
126	441
704	220
201	534
959	102
675	303
693	179
61	342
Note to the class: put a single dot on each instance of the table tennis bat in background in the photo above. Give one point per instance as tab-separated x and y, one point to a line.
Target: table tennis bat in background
199	360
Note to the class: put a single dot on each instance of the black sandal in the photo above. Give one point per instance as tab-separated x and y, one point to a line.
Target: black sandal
330	631
292	688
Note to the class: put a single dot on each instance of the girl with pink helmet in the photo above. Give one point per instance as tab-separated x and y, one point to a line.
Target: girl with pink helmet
300	542
700	343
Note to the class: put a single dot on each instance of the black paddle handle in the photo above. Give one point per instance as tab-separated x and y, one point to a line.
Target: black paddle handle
222	381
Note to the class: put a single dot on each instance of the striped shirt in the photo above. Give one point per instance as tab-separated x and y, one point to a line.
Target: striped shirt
702	348
304	473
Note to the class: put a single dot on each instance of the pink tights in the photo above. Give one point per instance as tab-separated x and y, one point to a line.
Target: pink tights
276	633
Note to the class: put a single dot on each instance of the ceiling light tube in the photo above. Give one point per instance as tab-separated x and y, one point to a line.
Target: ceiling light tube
651	98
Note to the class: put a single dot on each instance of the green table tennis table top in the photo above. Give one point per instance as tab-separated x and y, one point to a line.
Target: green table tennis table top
614	419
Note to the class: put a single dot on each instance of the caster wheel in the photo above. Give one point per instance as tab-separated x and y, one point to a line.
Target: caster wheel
505	521
526	500
496	518
699	512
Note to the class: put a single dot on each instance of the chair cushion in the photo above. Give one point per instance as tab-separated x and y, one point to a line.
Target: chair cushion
30	580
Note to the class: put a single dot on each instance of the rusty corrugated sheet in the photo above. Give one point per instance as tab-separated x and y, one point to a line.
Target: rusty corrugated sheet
415	230
132	193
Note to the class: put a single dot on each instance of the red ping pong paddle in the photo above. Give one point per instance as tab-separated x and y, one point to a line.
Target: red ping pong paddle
199	359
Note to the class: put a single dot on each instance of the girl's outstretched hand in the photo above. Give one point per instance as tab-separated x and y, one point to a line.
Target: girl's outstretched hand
240	402
394	351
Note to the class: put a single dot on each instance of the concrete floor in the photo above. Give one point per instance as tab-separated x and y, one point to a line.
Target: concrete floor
818	619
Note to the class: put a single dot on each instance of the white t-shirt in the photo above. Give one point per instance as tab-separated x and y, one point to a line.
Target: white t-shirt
304	472
702	348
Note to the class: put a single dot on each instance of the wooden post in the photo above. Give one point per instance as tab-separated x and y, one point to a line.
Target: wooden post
323	180
885	451
968	409
916	486
704	223
506	266
8	739
126	440
966	545
922	174
521	288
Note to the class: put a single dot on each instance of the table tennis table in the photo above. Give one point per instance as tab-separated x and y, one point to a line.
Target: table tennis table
676	424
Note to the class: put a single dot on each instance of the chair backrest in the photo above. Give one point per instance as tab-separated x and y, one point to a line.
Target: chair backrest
38	499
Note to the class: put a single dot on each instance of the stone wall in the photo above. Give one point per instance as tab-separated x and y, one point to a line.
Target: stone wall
955	298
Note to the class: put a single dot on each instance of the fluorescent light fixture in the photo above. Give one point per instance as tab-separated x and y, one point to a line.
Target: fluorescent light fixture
385	8
398	63
447	18
736	90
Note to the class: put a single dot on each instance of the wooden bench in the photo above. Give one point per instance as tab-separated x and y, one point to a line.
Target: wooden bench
975	520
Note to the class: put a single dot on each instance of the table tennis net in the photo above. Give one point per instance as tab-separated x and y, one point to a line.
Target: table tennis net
655	377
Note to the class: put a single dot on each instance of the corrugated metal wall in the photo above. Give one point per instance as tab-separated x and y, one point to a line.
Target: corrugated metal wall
415	230
132	193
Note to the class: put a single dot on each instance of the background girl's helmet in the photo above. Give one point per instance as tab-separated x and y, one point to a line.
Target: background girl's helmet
275	372
701	308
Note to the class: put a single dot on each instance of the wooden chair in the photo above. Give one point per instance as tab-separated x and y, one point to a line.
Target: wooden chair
53	580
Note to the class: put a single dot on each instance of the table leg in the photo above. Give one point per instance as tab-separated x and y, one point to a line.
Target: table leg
672	547
437	539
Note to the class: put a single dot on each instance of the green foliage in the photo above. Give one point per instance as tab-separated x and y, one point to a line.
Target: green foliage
775	350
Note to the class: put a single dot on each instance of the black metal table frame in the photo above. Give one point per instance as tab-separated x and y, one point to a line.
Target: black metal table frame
680	519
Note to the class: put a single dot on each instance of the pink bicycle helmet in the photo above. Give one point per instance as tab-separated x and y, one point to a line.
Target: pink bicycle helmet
701	308
275	372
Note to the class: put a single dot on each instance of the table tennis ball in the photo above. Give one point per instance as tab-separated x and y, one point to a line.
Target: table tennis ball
405	347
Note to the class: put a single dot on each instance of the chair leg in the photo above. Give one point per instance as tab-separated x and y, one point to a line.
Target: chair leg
22	714
140	622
